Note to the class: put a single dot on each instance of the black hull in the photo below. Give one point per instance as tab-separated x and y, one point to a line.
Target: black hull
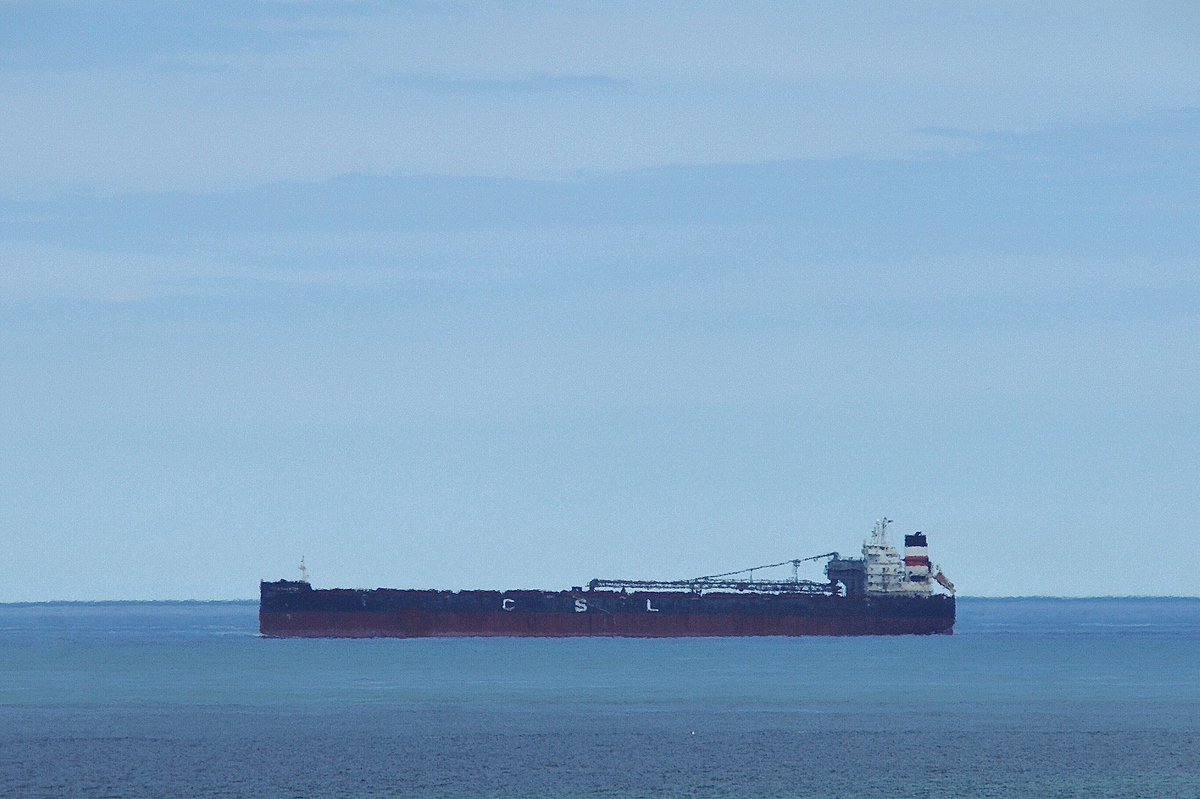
294	609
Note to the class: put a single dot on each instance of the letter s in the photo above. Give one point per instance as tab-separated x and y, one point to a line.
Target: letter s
508	604
581	606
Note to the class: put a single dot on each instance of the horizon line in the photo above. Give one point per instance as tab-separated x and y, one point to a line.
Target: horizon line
254	601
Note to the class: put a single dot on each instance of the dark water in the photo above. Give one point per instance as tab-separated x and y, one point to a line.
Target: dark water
1032	698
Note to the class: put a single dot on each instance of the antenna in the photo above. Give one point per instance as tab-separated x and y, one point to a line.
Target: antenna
303	571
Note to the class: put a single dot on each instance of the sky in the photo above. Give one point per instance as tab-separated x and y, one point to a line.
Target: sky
499	295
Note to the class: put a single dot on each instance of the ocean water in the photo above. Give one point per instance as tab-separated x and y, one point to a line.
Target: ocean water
1030	698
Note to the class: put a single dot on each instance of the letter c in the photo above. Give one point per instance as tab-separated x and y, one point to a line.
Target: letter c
508	604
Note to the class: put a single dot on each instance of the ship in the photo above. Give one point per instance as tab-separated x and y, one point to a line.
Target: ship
879	593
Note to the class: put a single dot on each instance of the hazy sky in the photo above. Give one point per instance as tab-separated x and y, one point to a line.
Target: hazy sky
520	294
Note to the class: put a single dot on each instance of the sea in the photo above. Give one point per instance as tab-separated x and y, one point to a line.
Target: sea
1029	698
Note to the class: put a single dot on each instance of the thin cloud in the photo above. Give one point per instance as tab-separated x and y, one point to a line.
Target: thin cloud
540	90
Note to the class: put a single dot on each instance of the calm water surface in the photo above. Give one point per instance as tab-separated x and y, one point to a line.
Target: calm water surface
1031	698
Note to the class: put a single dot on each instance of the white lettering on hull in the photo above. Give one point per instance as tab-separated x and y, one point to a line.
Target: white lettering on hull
581	606
508	604
650	607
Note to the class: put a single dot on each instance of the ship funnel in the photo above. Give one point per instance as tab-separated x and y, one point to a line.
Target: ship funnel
916	562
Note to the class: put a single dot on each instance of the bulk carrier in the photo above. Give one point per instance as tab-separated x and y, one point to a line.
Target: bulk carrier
880	593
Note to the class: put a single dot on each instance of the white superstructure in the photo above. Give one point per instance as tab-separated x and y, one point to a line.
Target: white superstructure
885	570
888	573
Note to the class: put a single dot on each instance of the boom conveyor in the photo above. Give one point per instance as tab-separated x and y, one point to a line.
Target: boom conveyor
729	581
